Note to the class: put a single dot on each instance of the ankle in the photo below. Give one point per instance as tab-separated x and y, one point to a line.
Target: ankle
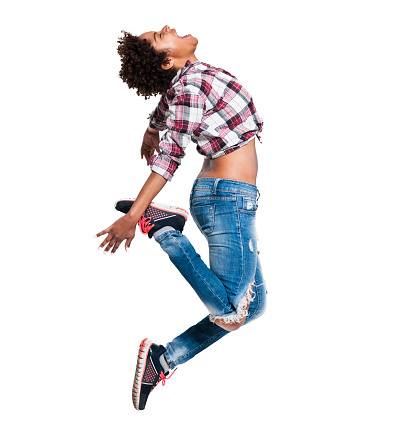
163	363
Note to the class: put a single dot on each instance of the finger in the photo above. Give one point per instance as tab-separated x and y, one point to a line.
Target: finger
148	156
144	153
128	243
110	245
107	239
101	233
115	247
144	148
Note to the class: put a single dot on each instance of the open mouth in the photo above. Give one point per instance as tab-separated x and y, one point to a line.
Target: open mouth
182	37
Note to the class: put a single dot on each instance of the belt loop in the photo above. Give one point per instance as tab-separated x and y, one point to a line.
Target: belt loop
215	186
258	195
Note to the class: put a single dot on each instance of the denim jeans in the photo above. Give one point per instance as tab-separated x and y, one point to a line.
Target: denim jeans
225	213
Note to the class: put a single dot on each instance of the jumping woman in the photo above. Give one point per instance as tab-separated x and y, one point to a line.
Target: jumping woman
208	106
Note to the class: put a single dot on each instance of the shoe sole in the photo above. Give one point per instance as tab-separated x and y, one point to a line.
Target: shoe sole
139	371
165	207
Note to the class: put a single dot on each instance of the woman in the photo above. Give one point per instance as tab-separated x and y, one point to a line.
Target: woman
208	106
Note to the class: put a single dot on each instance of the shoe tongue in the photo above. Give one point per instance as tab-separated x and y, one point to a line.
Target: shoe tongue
163	363
157	351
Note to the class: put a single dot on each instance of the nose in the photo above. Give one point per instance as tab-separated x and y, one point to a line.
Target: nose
166	28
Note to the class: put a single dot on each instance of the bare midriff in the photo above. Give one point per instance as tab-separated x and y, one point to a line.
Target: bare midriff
240	165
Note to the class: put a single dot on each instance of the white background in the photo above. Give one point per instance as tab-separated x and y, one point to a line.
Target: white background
323	76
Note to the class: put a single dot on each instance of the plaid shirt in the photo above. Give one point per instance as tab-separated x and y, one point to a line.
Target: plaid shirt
208	106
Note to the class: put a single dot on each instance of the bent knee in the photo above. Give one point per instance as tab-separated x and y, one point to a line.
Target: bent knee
258	312
237	326
229	326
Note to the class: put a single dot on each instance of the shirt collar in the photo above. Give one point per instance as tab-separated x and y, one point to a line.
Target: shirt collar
183	71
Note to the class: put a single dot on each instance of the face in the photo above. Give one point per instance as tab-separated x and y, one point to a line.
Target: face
181	48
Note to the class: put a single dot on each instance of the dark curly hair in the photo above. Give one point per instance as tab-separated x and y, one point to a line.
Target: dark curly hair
142	66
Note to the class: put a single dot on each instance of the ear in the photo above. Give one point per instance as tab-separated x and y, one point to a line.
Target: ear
169	63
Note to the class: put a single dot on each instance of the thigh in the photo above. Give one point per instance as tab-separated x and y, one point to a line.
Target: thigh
217	219
226	254
233	244
227	220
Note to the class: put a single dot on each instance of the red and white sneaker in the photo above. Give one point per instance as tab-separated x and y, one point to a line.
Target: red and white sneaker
149	372
156	216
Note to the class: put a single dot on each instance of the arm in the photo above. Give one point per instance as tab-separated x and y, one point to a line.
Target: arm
124	228
157	118
186	112
185	115
150	143
157	122
151	188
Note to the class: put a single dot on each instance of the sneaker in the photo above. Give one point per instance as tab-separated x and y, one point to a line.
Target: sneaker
156	216
149	372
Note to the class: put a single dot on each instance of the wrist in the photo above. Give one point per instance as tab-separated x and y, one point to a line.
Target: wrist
133	217
152	131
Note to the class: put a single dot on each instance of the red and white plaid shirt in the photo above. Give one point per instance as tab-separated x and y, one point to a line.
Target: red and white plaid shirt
208	106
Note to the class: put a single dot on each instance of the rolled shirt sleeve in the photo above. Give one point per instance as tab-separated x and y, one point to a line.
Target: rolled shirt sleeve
157	118
181	118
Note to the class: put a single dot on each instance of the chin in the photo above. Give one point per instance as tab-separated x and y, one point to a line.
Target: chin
192	39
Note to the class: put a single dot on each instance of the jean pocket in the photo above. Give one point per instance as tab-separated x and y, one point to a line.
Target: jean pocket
203	215
248	205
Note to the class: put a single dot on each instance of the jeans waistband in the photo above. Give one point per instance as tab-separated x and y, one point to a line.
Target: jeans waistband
220	184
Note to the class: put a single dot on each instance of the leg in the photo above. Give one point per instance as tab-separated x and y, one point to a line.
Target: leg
206	284
232	242
232	288
226	287
154	361
205	333
224	211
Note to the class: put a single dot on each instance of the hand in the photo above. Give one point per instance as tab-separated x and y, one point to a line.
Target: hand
122	229
150	143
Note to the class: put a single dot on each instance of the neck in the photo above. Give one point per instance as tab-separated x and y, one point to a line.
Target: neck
179	64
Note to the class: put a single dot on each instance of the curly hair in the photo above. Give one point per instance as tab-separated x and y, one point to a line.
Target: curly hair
142	66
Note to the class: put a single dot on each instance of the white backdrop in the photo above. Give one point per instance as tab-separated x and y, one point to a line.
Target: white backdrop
323	76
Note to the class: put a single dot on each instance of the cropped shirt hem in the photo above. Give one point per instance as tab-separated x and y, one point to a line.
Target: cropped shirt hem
232	149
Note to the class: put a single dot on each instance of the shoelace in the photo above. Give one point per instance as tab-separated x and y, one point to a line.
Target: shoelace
143	223
163	378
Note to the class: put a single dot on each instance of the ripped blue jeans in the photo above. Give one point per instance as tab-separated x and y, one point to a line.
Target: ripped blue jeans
233	287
